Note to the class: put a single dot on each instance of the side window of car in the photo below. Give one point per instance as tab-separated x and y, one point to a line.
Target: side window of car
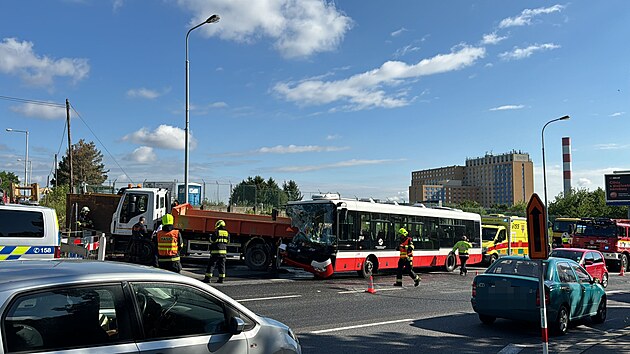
565	273
588	258
173	310
583	276
597	257
58	319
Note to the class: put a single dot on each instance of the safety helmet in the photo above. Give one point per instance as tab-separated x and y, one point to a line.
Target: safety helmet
167	219
403	232
464	238
220	223
85	209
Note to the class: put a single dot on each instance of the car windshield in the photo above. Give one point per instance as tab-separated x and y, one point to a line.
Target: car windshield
573	255
597	229
314	222
488	233
523	267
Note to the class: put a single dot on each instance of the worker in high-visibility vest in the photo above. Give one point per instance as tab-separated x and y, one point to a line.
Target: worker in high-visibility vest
405	263
169	242
462	248
218	252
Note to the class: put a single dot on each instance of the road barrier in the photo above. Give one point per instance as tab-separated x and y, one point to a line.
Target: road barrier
83	244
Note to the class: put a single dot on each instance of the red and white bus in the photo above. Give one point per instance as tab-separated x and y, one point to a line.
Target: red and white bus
342	235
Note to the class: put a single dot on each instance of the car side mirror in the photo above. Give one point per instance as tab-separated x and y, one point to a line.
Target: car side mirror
237	325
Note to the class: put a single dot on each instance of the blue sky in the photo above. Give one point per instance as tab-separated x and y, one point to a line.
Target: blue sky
343	96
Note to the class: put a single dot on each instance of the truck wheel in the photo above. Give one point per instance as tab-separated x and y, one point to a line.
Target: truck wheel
451	262
257	257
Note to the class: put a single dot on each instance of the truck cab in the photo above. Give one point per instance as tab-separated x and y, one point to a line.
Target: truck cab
136	202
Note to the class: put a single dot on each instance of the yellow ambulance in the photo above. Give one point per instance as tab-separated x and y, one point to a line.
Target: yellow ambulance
503	235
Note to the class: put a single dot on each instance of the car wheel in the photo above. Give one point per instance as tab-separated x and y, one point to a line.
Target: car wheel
624	262
561	325
451	262
604	280
602	310
368	268
487	320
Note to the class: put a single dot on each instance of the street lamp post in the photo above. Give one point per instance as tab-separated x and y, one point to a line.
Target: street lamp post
26	157
211	19
545	172
30	169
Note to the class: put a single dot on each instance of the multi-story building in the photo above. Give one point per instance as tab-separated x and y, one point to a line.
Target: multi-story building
489	180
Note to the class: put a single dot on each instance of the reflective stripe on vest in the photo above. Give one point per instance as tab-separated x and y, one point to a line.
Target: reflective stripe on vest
220	243
168	243
406	248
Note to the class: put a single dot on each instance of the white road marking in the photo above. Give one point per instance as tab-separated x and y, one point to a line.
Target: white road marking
512	349
618	292
361	326
269	298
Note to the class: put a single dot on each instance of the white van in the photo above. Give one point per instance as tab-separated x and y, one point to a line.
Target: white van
28	232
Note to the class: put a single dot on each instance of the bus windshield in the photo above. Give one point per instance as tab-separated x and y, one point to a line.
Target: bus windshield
314	222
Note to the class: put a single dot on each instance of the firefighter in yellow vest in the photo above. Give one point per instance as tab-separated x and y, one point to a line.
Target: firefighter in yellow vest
169	242
405	263
462	248
218	252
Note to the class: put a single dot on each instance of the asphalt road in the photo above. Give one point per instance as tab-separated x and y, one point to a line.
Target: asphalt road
338	315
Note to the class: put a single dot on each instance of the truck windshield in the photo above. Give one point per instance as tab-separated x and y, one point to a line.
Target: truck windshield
314	222
563	226
600	230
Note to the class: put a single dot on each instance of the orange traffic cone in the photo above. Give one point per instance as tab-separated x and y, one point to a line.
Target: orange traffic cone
370	288
622	271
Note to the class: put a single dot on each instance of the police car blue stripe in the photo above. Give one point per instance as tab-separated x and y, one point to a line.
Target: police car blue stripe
7	249
14	257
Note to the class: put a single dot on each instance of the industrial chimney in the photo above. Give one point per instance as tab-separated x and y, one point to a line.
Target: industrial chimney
566	164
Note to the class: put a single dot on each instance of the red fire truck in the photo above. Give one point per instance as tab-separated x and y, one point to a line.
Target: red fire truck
609	236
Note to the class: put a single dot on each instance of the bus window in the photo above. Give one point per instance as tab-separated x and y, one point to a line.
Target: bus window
347	236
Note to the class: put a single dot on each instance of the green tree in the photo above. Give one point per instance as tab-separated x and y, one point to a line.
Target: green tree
584	203
292	190
257	191
87	165
56	199
7	179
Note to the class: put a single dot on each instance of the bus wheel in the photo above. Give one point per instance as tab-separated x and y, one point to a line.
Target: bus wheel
624	262
368	268
451	262
256	257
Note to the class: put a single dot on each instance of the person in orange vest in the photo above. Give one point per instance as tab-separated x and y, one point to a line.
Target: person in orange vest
169	242
405	263
218	252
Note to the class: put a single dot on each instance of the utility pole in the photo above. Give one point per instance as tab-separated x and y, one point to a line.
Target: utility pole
69	145
56	170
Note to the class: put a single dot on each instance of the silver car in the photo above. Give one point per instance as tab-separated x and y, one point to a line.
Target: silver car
107	307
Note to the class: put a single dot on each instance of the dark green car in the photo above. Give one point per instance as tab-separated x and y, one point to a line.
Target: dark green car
509	289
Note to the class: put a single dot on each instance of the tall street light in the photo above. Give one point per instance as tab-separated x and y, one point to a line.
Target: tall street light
30	169
545	171
211	19
25	158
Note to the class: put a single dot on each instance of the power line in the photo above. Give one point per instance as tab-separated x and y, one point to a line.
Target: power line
63	138
24	100
103	145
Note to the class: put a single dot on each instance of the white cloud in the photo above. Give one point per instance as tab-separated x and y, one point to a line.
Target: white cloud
398	32
525	18
492	38
18	58
341	164
405	50
299	28
117	4
507	107
164	136
293	149
333	136
522	53
143	154
611	146
617	114
584	182
364	90
143	93
49	112
218	105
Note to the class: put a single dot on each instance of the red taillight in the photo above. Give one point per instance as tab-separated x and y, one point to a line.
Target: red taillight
474	288
546	296
57	252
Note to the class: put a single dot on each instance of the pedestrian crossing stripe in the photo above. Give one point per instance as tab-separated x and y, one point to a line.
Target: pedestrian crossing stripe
8	253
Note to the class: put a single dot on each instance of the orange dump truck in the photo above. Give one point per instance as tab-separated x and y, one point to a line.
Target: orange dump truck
253	237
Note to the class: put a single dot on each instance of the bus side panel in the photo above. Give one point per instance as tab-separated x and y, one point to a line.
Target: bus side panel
348	264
